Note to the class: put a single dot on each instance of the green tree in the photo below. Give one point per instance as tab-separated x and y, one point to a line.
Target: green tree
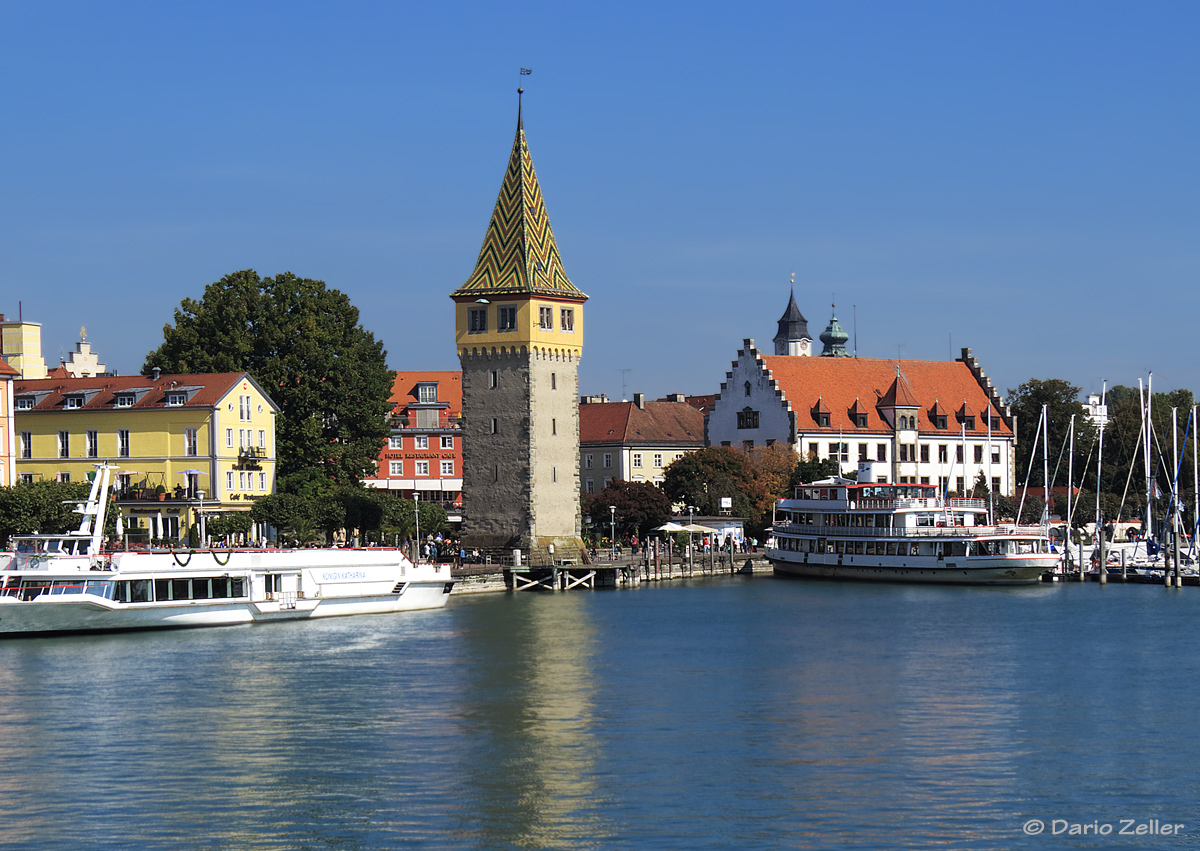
1061	400
702	478
640	507
45	507
302	342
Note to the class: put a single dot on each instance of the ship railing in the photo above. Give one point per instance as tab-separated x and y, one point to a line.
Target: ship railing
905	532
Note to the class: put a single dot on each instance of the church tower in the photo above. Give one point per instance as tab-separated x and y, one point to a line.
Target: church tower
834	339
793	337
519	333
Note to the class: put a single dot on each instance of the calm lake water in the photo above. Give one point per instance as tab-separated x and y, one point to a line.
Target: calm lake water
727	713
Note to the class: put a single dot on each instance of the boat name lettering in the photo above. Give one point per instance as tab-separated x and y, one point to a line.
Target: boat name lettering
343	575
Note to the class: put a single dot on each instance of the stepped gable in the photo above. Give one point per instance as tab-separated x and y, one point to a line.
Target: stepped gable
519	254
624	423
836	383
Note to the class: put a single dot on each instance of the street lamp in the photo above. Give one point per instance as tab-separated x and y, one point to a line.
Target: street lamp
417	518
612	510
691	522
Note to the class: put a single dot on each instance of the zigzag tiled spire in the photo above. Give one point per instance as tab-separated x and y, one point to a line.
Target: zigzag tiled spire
519	254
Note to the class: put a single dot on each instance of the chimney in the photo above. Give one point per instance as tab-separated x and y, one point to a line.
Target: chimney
639	399
157	371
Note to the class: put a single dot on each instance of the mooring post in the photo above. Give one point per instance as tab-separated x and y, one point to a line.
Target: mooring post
1103	563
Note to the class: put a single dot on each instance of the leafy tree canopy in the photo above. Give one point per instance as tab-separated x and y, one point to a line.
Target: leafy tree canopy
1061	400
302	342
640	507
702	478
46	507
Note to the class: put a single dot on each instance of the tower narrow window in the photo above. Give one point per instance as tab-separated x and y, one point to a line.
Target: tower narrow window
567	315
477	320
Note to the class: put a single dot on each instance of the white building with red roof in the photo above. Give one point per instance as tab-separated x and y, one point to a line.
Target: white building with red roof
922	422
634	441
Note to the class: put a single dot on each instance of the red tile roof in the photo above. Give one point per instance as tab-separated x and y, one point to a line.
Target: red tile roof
100	392
5	369
625	424
809	383
449	391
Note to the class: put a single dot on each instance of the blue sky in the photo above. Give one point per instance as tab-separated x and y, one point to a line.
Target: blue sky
1016	177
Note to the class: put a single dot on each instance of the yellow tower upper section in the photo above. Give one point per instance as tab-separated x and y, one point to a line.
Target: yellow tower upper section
519	294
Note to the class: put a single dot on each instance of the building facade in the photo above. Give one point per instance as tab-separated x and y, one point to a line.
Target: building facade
921	422
21	347
185	444
634	441
423	455
8	436
519	337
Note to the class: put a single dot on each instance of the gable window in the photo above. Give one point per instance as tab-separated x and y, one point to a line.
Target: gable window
506	319
244	408
747	418
567	319
546	318
747	387
477	320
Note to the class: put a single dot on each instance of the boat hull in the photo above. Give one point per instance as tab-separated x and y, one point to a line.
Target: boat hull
1018	570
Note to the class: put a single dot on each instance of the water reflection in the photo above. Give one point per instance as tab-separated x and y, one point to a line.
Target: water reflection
528	709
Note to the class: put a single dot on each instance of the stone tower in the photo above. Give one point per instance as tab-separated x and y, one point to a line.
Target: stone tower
518	325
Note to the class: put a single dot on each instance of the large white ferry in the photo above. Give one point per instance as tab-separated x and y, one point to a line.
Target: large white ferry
839	529
67	583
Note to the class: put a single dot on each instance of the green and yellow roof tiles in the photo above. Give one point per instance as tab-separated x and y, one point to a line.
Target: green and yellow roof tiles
519	254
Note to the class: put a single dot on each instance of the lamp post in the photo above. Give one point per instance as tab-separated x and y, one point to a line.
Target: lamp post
612	510
691	549
417	519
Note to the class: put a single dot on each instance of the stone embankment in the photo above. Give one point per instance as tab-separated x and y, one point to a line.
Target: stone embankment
483	578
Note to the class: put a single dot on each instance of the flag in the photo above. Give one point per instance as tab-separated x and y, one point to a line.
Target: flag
525	72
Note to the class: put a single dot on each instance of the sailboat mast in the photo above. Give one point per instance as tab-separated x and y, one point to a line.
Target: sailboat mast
1045	466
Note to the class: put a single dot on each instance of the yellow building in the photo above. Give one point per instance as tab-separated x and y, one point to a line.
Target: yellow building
8	439
185	444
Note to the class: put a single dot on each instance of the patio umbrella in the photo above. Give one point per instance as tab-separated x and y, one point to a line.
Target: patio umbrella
669	527
697	529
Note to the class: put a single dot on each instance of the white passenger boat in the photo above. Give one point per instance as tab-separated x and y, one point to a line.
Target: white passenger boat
68	583
838	529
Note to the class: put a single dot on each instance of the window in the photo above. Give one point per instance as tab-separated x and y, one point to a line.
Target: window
175	400
495	378
995	484
567	319
229	480
242	480
924	480
907	452
447	468
637	459
657	459
881	453
814	450
942	454
447	441
244	408
243	438
546	318
262	438
506	319
860	420
553	425
427	393
747	388
554	474
122	443
589	486
862	452
839	451
823	420
395	468
92	444
421	469
24	403
27	478
969	422
124	400
958	455
190	443
477	320
63	477
229	437
925	453
73	402
553	381
995	454
26	444
421	441
495	426
587	462
607	460
395	442
979	454
958	484
64	445
747	418
940	422
262	481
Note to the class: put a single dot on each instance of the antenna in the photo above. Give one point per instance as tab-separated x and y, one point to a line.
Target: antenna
854	310
623	371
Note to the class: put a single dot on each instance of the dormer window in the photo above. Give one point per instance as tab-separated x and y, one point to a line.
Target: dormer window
124	400
427	392
940	421
969	422
860	420
73	402
24	403
823	420
175	400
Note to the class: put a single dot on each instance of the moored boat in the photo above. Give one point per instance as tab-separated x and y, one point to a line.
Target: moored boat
838	529
69	583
